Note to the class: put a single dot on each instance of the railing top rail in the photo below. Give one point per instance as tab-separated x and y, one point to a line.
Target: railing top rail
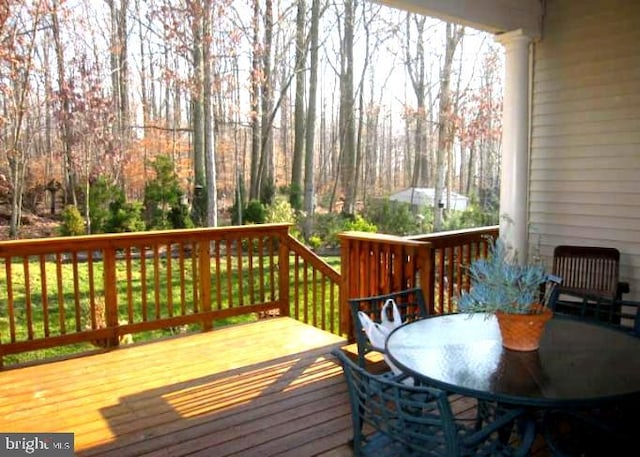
317	262
454	237
93	242
382	238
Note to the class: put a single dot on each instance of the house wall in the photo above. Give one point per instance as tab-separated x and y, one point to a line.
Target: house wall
585	135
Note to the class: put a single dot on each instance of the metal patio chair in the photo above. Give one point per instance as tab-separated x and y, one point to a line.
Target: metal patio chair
410	303
396	419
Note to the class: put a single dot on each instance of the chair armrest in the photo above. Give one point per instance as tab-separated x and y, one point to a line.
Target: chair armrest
623	288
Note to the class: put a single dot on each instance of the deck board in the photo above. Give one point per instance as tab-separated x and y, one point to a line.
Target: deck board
262	389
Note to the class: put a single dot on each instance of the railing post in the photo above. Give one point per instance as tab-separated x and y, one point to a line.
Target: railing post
283	274
346	325
111	295
204	267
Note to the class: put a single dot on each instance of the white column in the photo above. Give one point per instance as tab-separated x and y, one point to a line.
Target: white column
515	142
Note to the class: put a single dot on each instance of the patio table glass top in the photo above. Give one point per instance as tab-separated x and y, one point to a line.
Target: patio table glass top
578	363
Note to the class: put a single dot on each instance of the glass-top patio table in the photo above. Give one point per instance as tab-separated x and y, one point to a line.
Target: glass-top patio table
578	364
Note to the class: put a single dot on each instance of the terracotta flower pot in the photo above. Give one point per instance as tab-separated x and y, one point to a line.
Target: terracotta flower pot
522	332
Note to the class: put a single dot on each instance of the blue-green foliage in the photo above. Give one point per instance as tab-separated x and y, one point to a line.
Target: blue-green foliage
498	282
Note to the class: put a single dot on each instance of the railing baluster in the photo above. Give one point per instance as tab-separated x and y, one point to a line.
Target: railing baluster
27	296
143	282
43	295
61	309
181	272
169	280
129	275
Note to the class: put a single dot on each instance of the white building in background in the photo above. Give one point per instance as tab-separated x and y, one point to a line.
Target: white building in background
424	196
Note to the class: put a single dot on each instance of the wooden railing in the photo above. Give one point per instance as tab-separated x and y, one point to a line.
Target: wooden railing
374	264
102	289
451	253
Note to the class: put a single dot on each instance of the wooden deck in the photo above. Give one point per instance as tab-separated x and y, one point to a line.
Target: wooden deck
262	389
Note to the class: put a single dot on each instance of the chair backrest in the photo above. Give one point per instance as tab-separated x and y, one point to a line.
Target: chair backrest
417	418
588	270
410	303
590	286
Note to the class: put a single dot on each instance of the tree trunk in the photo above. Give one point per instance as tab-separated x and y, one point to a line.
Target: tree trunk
416	69
347	125
65	123
254	188
209	121
198	123
266	171
453	35
309	195
298	144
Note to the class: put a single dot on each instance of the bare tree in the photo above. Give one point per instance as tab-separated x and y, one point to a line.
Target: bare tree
64	116
309	203
416	69
299	121
256	53
208	118
18	39
454	34
266	168
346	118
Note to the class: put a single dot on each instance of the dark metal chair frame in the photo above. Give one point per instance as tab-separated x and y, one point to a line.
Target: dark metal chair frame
396	419
410	303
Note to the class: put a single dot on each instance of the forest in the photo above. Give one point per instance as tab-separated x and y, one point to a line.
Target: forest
122	115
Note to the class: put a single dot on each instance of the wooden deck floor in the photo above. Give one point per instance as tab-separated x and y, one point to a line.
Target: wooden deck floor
263	389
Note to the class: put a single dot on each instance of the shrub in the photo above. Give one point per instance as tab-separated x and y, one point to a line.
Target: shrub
125	217
360	224
327	226
162	193
396	218
314	241
72	222
101	196
180	218
254	213
282	211
473	216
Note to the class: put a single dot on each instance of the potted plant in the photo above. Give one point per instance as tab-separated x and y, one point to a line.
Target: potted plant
513	292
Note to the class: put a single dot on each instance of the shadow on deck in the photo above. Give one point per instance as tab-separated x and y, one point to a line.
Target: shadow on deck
262	389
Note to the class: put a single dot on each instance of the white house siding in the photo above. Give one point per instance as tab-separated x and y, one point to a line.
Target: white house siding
585	135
